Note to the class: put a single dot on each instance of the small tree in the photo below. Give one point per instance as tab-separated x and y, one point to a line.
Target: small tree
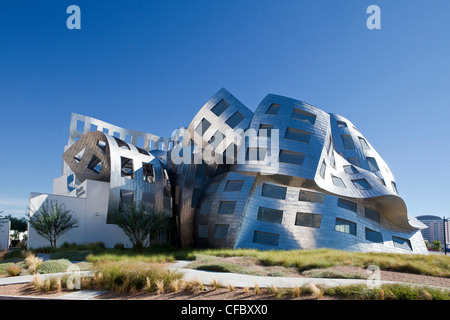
436	245
140	224
52	221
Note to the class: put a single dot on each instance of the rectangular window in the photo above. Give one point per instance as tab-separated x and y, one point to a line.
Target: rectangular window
220	107
394	187
297	135
270	215
202	127
333	160
348	141
256	154
402	243
203	231
373	236
266	238
341	124
350	169
235	119
95	164
94	127
345	226
148	200
354	161
265	130
308	220
338	182
234	185
127	168
323	168
373	165
301	115
196	195
80	126
310	196
226	207
364	143
330	144
273	109
347	204
126	198
205	207
361	184
291	157
221	231
272	191
148	173
372	215
122	144
102	146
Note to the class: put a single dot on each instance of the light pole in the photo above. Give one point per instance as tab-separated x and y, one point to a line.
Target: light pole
445	236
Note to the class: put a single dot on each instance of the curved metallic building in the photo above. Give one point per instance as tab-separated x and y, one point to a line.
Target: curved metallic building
287	176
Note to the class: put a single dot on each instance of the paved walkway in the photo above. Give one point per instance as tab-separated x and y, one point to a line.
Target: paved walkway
206	277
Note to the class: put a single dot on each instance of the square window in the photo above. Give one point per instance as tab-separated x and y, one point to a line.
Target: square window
347	204
148	172
373	236
345	226
221	231
235	119
372	215
213	187
338	182
205	207
373	165
297	135
95	164
291	157
361	184
226	207
350	169
126	170
80	126
273	191
364	143
202	127
348	141
354	161
216	139
105	130
266	238
308	220
304	116
234	185
270	215
94	127
220	107
273	109
310	196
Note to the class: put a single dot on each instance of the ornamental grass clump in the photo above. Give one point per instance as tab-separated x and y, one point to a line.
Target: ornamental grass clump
129	276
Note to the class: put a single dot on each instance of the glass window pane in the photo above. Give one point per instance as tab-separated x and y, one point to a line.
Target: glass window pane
265	130
291	157
297	135
127	168
205	207
402	243
273	109
220	107
310	196
221	231
348	141
234	185
341	124
354	161
323	168
270	215
235	119
256	154
301	115
394	187
148	200
227	207
202	127
203	231
361	184
373	236
266	238
364	143
308	220
272	191
373	165
350	169
345	226
347	204
213	187
338	182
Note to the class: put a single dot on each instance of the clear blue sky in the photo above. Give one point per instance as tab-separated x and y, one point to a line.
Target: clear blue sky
150	65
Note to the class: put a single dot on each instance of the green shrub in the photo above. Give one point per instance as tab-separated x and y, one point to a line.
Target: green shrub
13	270
4	266
119	246
54	266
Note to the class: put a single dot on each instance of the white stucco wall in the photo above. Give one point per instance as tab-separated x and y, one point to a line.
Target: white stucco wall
89	203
